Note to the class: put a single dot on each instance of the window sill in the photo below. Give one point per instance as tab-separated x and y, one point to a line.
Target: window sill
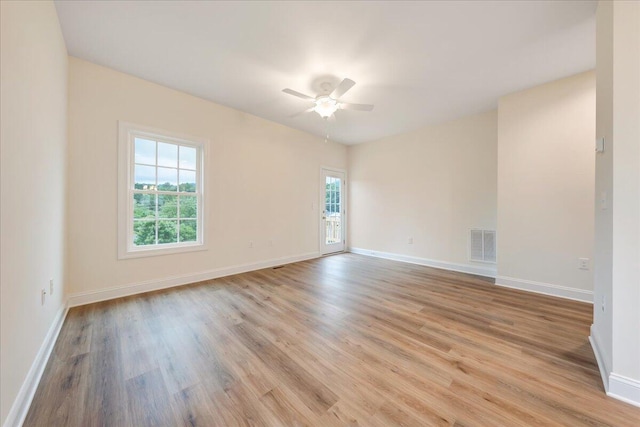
158	251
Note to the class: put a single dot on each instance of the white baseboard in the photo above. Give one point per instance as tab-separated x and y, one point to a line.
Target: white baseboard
616	386
624	388
508	282
545	288
462	268
597	351
21	404
83	298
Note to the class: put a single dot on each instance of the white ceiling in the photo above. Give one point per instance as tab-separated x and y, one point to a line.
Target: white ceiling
418	62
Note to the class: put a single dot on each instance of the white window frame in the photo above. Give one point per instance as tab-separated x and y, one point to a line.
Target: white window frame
127	132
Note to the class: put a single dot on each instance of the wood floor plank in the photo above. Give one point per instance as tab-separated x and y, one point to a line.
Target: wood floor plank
149	401
75	335
312	392
287	408
61	393
105	401
345	340
192	408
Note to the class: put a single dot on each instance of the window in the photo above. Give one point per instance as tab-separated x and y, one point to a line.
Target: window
161	198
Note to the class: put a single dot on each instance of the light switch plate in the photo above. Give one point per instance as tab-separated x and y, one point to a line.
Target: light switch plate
600	145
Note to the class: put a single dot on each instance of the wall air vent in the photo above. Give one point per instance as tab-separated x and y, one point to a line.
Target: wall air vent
482	246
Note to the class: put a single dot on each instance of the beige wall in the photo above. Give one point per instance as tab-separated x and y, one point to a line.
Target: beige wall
545	186
33	138
263	180
433	185
616	327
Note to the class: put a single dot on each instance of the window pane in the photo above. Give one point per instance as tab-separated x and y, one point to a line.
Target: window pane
167	232
144	205
164	190
144	177
144	233
187	181
167	206
145	151
188	207
188	231
167	179
167	155
187	157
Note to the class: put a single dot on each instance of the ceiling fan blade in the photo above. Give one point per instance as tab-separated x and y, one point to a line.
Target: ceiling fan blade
358	107
342	88
308	110
298	94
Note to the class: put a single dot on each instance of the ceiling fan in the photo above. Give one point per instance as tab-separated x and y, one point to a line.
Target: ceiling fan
327	104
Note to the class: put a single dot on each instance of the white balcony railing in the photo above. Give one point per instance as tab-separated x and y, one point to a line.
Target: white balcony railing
333	229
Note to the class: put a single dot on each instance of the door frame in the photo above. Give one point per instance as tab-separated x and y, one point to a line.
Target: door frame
321	203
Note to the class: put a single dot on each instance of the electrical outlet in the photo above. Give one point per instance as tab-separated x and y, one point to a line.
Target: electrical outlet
410	240
43	293
583	263
50	286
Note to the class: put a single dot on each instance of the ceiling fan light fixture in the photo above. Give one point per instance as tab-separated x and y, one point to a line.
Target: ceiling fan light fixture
326	106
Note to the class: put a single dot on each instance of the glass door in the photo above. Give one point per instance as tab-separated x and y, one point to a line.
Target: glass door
332	219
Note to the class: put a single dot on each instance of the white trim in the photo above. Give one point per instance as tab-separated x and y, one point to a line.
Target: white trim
462	268
597	351
83	298
21	404
508	282
326	171
126	132
545	288
624	388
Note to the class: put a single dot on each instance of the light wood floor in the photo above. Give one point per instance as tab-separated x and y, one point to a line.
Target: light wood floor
341	340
